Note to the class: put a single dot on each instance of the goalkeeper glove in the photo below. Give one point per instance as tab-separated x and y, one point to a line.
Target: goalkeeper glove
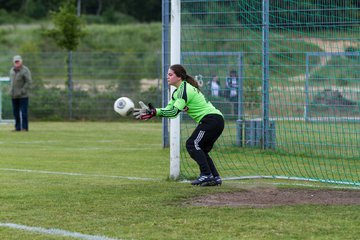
145	112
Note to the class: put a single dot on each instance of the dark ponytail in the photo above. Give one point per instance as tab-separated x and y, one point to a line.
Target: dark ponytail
192	81
180	71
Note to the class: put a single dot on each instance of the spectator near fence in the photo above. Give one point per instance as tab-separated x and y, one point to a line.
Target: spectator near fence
231	91
215	86
20	79
231	85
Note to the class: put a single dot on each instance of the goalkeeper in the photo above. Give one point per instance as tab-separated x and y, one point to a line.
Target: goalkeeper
187	97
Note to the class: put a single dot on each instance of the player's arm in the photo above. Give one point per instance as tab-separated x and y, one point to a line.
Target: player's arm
176	105
147	112
172	109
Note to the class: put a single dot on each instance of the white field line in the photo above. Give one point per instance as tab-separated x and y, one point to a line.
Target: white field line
236	179
54	231
89	148
77	174
105	148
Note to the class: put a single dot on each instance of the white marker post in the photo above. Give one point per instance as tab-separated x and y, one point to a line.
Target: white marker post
3	80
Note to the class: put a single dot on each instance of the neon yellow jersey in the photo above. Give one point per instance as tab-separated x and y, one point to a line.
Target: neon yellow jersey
189	98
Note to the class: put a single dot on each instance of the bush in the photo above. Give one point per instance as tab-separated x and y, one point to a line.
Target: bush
109	17
353	50
12	18
48	104
113	17
53	104
34	9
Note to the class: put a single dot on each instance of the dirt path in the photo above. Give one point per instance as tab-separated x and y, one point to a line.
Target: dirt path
268	197
326	46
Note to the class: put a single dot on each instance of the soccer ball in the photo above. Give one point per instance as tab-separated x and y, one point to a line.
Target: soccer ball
124	106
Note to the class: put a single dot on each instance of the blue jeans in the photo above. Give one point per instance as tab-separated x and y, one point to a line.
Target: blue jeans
20	111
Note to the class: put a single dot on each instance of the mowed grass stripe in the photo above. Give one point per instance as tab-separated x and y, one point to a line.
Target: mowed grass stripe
54	231
77	174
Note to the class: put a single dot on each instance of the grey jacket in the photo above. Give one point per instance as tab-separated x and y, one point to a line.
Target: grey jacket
20	82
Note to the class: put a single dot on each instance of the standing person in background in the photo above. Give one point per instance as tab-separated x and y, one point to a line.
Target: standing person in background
232	85
215	86
187	97
20	79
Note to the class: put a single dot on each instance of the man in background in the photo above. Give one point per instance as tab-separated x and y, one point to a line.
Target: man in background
215	86
232	86
20	78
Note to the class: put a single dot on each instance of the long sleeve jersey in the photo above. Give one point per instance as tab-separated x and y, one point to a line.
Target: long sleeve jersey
187	97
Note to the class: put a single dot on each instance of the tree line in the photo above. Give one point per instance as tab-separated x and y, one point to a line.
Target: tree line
136	10
282	12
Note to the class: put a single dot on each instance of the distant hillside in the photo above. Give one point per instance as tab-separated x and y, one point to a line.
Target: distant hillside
140	37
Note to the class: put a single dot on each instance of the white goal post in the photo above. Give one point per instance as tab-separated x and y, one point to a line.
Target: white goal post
175	48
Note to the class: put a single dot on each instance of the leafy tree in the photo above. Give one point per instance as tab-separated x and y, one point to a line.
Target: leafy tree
30	50
67	32
68	27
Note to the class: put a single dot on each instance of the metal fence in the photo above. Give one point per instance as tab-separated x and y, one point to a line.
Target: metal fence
98	79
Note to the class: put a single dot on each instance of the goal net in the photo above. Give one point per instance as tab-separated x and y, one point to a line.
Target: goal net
292	65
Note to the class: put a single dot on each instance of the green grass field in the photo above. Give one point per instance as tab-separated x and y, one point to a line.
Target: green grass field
110	180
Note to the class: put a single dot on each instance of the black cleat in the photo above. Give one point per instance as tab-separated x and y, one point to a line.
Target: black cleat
217	180
204	180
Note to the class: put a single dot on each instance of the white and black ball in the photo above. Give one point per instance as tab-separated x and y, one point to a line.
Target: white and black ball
124	106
